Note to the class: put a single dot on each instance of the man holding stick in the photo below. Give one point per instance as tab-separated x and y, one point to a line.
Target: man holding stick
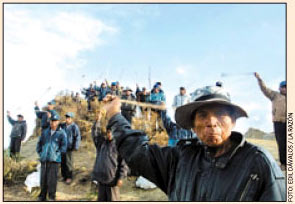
18	134
278	100
217	166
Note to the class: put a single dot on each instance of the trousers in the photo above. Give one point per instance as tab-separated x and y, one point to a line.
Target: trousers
67	165
15	144
280	134
107	193
49	172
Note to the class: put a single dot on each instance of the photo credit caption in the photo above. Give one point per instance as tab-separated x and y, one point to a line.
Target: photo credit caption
290	156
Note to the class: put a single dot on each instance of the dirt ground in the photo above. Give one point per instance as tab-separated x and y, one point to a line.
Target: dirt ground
81	188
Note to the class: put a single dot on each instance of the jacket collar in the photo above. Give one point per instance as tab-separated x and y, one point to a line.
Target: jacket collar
221	162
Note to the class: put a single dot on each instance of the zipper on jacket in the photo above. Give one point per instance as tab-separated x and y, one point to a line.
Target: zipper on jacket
253	177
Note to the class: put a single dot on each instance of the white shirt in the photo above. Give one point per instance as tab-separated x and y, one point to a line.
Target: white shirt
180	100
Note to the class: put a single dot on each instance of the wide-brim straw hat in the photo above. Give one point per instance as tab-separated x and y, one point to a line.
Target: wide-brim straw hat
201	97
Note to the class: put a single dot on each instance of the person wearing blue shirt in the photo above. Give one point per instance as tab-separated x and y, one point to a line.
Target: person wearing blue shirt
102	91
51	145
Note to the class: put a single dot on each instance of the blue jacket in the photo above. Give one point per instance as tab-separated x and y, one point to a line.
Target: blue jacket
175	131
102	93
73	136
157	98
50	147
19	129
45	123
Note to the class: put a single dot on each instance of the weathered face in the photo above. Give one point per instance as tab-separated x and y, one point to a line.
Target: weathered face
69	120
213	124
283	90
54	124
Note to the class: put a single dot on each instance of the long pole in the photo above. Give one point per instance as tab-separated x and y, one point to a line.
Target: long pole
148	105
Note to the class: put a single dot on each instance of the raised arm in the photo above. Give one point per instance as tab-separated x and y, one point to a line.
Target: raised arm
38	112
151	161
10	120
265	90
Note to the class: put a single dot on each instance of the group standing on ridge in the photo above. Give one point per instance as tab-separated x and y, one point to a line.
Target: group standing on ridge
205	160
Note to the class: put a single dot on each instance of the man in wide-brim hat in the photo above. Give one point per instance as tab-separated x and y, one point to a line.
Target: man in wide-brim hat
218	165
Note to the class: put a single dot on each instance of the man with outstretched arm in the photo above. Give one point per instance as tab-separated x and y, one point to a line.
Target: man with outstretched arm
17	135
45	115
219	166
278	100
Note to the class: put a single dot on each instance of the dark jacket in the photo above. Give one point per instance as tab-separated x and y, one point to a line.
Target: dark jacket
96	134
50	147
45	122
19	129
109	166
73	136
141	97
187	172
175	131
90	93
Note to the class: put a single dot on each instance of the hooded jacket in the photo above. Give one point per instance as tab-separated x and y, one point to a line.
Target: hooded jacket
188	172
50	147
19	129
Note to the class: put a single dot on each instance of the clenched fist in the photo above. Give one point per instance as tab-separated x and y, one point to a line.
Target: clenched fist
112	105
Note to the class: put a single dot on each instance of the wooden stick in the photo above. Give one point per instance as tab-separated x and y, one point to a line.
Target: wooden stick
148	105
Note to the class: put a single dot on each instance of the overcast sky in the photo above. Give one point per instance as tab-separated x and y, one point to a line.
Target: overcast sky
191	45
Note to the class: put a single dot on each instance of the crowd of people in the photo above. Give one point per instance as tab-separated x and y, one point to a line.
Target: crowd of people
204	161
